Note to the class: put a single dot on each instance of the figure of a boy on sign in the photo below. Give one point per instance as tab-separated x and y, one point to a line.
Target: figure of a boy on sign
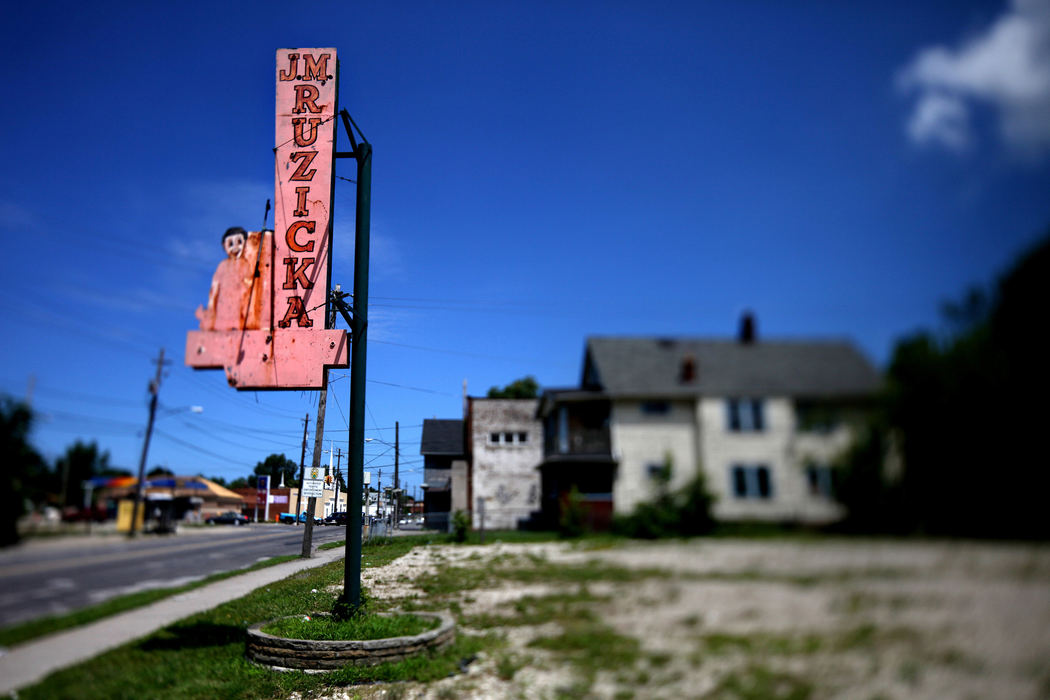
235	301
237	331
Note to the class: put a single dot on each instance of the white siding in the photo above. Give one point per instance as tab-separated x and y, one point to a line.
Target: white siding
701	426
640	439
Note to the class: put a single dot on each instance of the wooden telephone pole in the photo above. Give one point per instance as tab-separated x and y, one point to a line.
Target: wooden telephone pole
302	467
140	487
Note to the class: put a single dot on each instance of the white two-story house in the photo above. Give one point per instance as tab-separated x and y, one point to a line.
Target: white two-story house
764	420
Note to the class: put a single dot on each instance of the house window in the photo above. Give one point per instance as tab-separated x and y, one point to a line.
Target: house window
508	438
820	480
656	408
658	471
745	415
751	481
815	417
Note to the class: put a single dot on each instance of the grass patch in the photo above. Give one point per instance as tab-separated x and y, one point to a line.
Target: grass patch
719	643
802	580
868	636
361	627
450	580
760	683
508	664
591	647
41	627
203	656
538	610
507	536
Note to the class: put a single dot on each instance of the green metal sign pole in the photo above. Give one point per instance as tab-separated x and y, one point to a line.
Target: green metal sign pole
351	600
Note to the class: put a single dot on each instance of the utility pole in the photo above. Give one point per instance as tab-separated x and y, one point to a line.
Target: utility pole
302	467
311	504
338	467
397	483
140	487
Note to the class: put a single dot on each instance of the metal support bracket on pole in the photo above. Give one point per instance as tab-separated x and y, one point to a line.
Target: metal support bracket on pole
338	300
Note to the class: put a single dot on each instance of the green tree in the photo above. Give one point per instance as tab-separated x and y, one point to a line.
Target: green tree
524	388
968	407
80	462
273	466
159	471
25	476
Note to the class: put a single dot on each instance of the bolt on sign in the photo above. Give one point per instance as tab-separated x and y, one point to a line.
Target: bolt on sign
266	318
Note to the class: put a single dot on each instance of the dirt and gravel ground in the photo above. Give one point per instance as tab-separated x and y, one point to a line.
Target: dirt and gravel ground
736	618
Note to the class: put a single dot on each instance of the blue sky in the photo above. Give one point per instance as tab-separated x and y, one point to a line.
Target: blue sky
543	172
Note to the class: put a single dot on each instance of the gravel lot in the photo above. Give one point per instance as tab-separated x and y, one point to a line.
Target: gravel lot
824	618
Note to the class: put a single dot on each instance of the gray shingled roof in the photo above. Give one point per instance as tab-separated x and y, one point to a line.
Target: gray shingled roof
441	436
652	367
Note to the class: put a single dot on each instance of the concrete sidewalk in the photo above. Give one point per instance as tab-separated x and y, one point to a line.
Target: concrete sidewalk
28	663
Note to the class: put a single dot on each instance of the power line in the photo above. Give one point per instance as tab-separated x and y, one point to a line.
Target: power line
456	352
80	396
200	449
227	441
412	388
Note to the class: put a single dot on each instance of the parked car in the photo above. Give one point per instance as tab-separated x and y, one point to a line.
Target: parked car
337	518
228	518
411	522
96	514
289	518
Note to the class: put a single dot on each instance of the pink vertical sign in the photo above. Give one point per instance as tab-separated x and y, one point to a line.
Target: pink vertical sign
265	319
304	155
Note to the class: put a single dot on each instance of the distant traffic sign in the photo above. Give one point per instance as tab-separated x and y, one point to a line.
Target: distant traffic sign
313	488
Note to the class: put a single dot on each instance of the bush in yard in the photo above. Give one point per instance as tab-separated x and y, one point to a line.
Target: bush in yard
460	526
670	514
571	520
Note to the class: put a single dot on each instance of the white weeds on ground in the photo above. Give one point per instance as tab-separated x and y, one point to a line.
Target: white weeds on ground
821	618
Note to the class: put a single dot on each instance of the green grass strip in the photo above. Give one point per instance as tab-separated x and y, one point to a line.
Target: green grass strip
203	657
364	627
41	627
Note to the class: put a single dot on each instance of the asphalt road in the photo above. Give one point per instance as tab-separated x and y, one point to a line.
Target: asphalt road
52	576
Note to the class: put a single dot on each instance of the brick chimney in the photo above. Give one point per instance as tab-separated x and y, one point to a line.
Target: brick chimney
687	370
748	331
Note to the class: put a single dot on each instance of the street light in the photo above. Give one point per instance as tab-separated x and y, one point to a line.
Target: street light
182	409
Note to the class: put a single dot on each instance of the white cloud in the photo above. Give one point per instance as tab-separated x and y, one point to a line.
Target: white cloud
941	120
1006	67
216	205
